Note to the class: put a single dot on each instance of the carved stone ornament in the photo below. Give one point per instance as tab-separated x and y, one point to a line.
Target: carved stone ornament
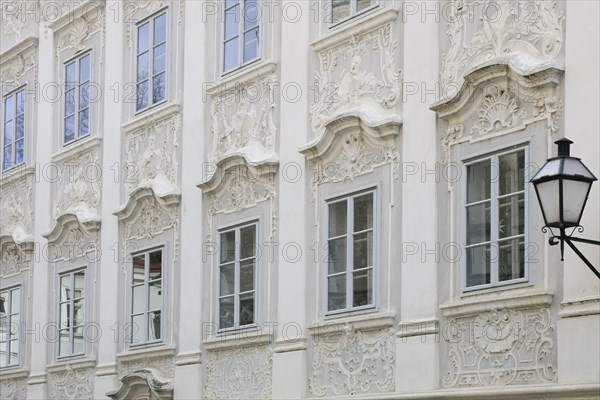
551	108
14	258
243	121
501	348
353	362
80	185
13	388
77	32
143	384
152	154
239	372
72	384
135	10
500	110
524	35
70	240
163	367
361	73
453	134
16	203
16	15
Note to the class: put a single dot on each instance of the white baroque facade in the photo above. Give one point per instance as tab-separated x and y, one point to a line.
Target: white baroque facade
293	199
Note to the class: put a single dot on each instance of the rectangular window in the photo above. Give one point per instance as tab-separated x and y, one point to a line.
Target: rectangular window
350	258
10	326
77	98
495	220
13	150
341	10
151	62
241	33
237	277
71	310
147	297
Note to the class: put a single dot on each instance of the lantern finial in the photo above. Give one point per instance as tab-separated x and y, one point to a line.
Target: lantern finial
564	147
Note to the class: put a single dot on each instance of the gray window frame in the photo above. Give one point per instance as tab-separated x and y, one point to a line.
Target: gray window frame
11	336
240	36
71	312
13	119
77	88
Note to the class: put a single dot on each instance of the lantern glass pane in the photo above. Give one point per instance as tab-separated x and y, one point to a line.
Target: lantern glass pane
576	167
575	193
548	194
551	168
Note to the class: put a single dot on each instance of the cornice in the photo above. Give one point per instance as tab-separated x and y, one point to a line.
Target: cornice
242	338
77	12
19	48
141	193
75	148
251	73
476	305
89	225
418	328
153	115
266	167
362	321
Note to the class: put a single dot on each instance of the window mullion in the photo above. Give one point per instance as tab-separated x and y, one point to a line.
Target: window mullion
349	251
241	33
236	279
494	226
146	295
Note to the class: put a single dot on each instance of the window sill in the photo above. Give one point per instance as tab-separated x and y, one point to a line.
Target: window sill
15	372
239	338
156	350
237	78
497	300
73	148
371	319
16	173
75	362
162	111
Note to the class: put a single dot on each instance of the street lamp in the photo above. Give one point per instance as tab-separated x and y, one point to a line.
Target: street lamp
562	187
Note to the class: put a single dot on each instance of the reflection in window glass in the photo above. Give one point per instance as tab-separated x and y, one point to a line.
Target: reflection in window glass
10	323
77	99
151	62
146	297
241	33
341	10
71	309
13	141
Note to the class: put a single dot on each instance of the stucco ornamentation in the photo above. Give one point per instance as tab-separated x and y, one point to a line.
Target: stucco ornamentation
14	259
500	110
16	202
152	220
353	362
13	388
16	15
239	372
360	72
14	69
524	35
243	118
163	367
454	132
501	347
72	384
77	33
551	108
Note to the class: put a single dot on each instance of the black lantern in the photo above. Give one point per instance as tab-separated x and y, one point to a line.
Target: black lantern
562	187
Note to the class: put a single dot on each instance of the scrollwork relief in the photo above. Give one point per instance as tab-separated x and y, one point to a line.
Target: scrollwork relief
499	111
72	384
74	241
239	372
152	220
13	71
78	32
13	388
551	108
501	348
164	367
353	362
346	79
14	259
16	202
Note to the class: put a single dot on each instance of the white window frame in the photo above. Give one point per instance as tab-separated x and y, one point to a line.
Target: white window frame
71	302
374	190
354	13
130	325
236	292
494	219
240	36
77	61
151	46
13	163
10	338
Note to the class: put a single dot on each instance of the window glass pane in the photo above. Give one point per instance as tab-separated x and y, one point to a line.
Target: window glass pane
363	212
65	315
78	312
143	36
138	298
363	4
4	304
154	324
15	301
512	216
79	284
336	255
478	181
64	346
65	288
363	250
160	29
232	21
78	343
84	69
84	95
20	125
511	263
155	265
251	45
21	102
19	151
4	329
3	354
229	3
137	329
247	309
9	108
248	241
512	172
227	279
69	128
14	352
228	246
159	59
251	14
84	122
7	157
158	93
9	129
143	68
155	295
246	276
226	313
340	9
362	288
337	219
478	223
139	269
70	76
70	102
142	95
231	54
336	292
478	265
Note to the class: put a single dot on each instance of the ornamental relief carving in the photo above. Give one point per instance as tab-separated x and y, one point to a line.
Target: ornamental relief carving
78	31
16	203
135	10
501	348
16	15
79	187
72	384
74	241
360	73
162	367
523	34
152	154
13	71
14	259
13	388
152	219
244	118
500	111
239	372
353	362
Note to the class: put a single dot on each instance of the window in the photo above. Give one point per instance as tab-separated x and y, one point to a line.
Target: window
495	220
237	277
342	10
77	98
13	152
147	297
350	243
241	33
10	321
71	313
151	62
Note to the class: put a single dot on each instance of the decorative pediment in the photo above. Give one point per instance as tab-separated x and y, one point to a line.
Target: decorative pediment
143	384
71	384
71	239
77	32
16	203
17	61
14	257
